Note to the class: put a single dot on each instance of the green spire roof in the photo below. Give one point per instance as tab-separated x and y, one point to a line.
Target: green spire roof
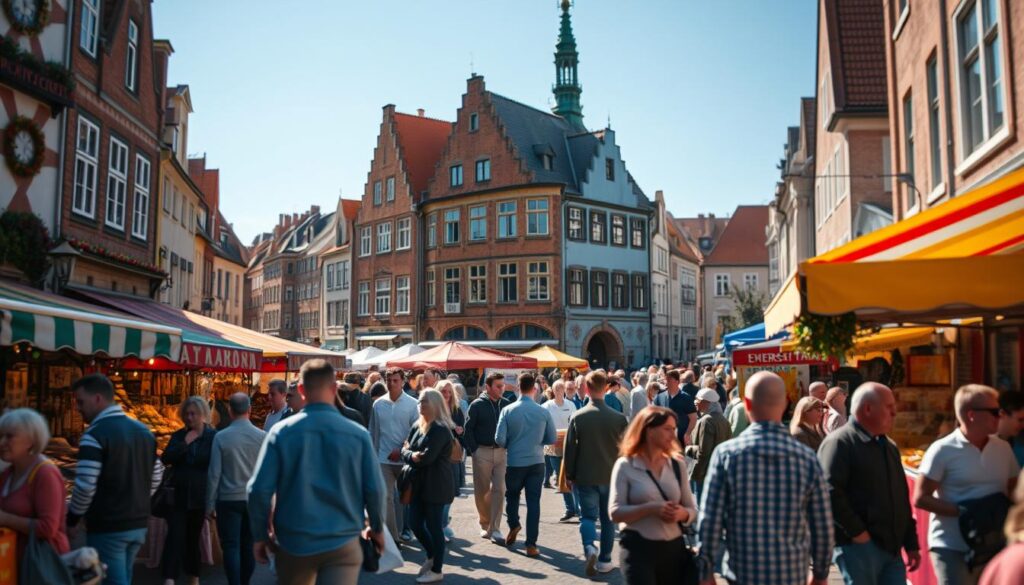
567	88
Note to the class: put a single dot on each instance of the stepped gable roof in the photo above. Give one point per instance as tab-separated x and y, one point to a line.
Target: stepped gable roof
534	132
856	30
583	148
742	240
421	141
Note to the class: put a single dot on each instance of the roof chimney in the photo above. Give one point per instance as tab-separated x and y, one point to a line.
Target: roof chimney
295	218
314	209
700	216
420	112
711	215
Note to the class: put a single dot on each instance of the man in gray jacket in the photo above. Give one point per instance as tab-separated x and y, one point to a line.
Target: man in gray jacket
712	429
232	459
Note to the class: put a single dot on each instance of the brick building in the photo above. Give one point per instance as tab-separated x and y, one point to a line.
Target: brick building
387	249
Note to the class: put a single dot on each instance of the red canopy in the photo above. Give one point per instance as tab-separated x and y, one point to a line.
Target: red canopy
459	356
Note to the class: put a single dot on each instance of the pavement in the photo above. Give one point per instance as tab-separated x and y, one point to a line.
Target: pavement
471	559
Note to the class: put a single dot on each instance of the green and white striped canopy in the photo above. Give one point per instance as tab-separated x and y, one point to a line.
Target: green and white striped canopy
52	327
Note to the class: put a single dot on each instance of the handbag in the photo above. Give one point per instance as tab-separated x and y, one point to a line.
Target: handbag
371	556
456	456
161	503
688	561
42	564
981	525
405	480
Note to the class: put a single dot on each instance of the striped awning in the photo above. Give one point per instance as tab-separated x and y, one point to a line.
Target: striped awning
962	258
53	326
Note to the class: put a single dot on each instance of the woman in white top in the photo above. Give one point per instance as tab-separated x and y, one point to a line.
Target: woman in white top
651	500
561	410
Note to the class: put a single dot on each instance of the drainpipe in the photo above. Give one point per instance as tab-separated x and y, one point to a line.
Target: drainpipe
947	97
421	311
564	210
62	147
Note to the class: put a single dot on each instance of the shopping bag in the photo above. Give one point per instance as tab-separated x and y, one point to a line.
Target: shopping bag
563	484
8	557
41	563
390	557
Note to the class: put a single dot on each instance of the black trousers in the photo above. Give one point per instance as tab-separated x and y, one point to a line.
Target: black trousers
651	562
181	548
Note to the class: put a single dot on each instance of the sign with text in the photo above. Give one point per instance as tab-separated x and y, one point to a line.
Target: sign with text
220	359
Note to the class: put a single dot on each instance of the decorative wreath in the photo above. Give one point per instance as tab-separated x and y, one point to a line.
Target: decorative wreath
42	18
17	125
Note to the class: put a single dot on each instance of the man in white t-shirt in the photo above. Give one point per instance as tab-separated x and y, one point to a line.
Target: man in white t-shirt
561	410
969	463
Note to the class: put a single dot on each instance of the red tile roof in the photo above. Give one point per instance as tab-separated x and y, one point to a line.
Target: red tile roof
350	207
856	32
421	140
696	228
679	242
742	242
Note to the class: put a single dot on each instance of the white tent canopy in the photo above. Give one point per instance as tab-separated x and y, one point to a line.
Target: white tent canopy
407	350
360	359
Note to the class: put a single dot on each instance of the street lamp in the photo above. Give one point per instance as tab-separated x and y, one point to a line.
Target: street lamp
63	258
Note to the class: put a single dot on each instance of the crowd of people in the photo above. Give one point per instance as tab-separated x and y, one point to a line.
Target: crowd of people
694	479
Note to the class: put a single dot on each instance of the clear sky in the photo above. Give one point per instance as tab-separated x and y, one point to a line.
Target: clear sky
288	95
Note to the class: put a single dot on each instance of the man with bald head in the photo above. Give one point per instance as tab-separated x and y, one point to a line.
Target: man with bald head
870	500
765	493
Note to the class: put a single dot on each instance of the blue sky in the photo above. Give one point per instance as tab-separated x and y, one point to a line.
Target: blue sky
288	95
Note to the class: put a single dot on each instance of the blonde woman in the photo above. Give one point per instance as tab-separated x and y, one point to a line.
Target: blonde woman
187	457
371	379
450	394
428	451
807	420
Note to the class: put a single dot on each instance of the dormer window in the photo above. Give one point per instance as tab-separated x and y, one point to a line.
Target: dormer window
547	161
705	244
474	122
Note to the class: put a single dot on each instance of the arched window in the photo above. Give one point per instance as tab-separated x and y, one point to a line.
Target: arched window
468	333
524	331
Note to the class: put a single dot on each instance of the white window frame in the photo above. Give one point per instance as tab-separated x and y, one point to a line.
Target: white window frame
903	16
384	237
909	152
432	230
537	211
404	234
89	26
583	225
166	195
131	68
430	298
389	191
477	216
826	100
750	280
365	241
448	239
377	193
453	284
140	199
117	184
934	125
331	275
506	219
508	282
723	282
86	168
538	281
363	299
401	295
622	218
382	297
477	275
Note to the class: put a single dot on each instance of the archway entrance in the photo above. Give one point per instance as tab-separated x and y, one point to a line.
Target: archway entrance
603	348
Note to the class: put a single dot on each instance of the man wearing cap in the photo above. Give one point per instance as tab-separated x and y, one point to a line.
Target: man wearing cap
711	430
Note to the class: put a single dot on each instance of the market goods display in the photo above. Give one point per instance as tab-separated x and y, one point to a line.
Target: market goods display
162	421
911	457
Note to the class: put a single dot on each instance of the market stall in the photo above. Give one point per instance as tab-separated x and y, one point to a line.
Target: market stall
549	357
459	356
796	369
382	360
362	359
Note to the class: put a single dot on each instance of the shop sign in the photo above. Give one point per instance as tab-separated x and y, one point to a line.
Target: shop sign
770	356
219	358
33	82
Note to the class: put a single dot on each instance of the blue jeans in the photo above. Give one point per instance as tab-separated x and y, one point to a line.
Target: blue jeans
236	541
570	500
593	506
516	479
117	550
551	466
425	520
869	565
951	567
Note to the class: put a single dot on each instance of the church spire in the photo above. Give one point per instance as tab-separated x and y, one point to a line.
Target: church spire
567	87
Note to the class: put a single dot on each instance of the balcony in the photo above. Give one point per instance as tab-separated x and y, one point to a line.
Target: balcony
452	308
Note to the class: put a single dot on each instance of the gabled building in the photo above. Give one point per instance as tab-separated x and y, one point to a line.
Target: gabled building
336	262
674	290
388	246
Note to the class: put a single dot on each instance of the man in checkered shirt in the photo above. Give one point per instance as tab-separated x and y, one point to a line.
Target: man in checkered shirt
766	492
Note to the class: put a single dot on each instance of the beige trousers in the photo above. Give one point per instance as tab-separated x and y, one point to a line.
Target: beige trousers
489	465
336	567
391	473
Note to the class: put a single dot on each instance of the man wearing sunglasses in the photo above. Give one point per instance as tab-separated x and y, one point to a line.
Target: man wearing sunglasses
966	465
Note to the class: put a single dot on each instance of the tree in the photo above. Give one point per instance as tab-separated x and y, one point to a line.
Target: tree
748	309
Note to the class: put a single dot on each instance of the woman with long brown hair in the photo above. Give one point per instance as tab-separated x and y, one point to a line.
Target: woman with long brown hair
652	502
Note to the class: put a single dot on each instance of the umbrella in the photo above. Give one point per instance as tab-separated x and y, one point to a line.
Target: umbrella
407	350
459	356
549	357
360	359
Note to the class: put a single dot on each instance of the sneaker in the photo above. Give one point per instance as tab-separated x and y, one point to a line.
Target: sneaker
497	537
532	551
591	554
430	577
510	540
449	534
603	567
425	568
568	516
484	534
406	535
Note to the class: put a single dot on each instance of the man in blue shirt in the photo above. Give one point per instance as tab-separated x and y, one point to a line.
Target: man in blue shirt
323	470
680	403
524	428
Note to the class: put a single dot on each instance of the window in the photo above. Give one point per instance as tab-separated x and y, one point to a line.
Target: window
342	274
376	193
483	170
391	189
577	287
478	284
478	223
750	281
537	282
639	233
131	72
547	161
721	285
87	152
981	73
140	202
508	283
117	183
404	234
609	169
451	226
598	227
619	230
465	333
640	291
934	146
90	26
507	219
382	299
908	146
598	288
288	294
455	175
620	295
330	276
363	303
432	230
576	224
452	285
167	195
384	237
825	91
474	122
430	298
537	217
365	240
402	295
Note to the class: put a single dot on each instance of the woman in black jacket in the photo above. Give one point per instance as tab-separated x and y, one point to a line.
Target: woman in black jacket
428	452
187	457
451	402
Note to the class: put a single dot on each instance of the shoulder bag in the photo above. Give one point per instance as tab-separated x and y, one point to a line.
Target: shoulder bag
161	503
689	563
